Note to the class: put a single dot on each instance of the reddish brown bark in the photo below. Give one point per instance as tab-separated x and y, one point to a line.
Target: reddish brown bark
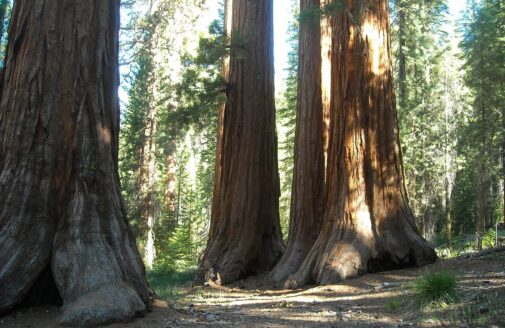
308	180
245	235
326	29
225	73
368	225
60	204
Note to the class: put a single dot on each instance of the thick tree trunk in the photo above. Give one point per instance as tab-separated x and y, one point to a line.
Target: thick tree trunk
245	235
308	180
368	225
60	203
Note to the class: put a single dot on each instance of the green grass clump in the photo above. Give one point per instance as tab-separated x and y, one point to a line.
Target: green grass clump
170	285
435	288
393	305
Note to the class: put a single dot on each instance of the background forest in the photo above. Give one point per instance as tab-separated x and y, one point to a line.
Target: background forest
450	88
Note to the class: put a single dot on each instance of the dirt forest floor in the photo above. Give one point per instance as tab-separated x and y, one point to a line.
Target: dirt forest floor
374	300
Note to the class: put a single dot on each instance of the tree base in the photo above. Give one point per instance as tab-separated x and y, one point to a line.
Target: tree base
43	292
234	268
331	261
104	306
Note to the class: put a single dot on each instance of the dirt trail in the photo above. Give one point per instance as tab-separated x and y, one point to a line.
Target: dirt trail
374	300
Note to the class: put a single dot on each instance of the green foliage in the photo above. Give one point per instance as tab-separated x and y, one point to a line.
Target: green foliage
174	94
422	54
5	14
201	90
194	176
286	125
310	15
435	288
484	142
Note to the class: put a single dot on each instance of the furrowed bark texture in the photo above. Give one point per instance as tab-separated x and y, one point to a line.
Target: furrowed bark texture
245	235
368	225
60	203
308	180
326	29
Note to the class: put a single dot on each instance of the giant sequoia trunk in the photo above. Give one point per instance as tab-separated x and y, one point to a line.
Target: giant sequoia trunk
245	235
308	178
60	206
368	225
326	28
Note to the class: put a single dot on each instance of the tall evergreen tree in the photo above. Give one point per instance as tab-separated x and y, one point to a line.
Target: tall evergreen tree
368	224
484	52
245	234
150	133
286	124
432	106
308	177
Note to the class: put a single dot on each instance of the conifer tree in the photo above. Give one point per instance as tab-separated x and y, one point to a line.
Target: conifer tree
484	52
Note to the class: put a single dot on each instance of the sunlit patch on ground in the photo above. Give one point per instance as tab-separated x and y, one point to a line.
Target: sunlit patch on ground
375	300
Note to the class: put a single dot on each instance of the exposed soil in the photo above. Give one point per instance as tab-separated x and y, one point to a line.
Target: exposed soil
374	300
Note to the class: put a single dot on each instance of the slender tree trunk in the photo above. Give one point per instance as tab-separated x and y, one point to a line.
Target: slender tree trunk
149	208
245	234
170	187
146	182
60	205
448	211
483	175
308	180
482	208
503	158
402	76
449	175
368	225
147	177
